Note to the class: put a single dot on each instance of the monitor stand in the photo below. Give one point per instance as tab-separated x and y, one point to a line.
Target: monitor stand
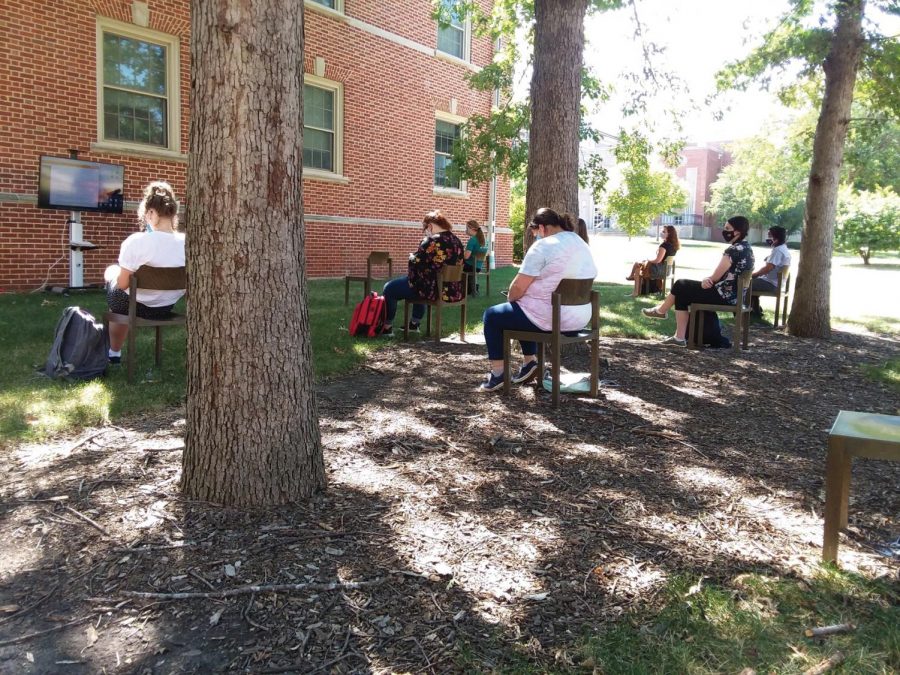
77	247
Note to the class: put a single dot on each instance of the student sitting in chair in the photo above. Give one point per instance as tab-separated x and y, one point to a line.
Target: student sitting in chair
766	277
557	253
649	270
160	245
477	245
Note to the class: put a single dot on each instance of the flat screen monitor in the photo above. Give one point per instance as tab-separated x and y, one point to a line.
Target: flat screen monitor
77	185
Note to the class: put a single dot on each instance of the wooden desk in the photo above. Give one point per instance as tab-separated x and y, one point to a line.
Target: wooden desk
854	434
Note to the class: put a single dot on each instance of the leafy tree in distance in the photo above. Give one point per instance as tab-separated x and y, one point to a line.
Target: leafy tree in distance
252	433
643	193
868	222
837	46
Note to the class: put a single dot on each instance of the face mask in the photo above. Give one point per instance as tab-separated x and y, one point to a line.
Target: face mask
770	242
148	227
727	235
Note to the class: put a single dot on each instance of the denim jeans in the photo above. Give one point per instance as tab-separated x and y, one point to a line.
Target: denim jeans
399	289
508	316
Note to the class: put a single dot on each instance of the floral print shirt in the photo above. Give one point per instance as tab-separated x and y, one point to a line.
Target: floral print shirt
434	252
742	260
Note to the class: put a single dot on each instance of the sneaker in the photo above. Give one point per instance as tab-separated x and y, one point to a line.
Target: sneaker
654	313
492	383
526	372
387	331
115	360
413	327
672	340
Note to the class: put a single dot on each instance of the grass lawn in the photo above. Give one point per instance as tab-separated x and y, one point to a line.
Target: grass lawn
32	407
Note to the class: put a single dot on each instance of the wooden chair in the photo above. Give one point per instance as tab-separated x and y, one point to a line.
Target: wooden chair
485	259
375	258
568	292
740	309
781	292
154	279
447	274
667	280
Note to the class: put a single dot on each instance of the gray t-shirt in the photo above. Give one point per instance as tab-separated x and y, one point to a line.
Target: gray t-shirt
780	257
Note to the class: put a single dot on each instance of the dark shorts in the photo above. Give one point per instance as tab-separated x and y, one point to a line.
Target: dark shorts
117	301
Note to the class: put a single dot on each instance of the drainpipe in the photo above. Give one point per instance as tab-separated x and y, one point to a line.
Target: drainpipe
492	219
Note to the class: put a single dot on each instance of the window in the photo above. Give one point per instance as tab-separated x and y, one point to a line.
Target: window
137	83
445	133
328	3
326	6
453	39
322	126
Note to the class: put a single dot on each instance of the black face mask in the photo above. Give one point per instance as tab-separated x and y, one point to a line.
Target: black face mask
728	235
770	242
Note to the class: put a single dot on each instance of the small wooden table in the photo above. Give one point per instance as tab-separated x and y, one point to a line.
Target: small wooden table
854	434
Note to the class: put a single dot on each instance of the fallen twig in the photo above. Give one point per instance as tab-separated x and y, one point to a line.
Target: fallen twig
89	438
90	522
829	630
244	590
30	636
832	661
31	606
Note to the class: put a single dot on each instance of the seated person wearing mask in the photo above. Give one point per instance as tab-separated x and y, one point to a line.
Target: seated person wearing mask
766	277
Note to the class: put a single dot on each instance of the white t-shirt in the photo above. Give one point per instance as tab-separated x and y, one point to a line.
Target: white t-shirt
560	256
780	257
157	249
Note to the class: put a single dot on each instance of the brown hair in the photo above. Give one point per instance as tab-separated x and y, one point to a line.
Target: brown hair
160	197
436	218
583	231
741	225
672	236
546	216
479	234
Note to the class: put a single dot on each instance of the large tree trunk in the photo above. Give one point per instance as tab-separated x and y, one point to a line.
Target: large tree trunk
555	108
811	308
252	430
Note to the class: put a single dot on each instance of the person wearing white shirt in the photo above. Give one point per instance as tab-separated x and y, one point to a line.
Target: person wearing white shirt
161	245
766	277
558	253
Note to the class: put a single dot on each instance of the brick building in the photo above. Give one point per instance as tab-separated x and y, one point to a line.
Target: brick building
384	97
699	169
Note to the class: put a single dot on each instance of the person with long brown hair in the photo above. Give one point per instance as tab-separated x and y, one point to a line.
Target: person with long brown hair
719	288
438	247
656	268
160	244
477	245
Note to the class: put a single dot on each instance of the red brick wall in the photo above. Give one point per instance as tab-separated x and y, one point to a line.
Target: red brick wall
709	162
48	105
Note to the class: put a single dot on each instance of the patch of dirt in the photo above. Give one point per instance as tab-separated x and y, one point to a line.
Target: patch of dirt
462	529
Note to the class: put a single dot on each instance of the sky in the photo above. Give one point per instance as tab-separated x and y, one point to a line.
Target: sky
699	37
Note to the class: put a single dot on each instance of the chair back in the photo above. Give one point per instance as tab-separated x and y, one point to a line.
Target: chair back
784	280
379	258
743	289
160	278
574	291
450	273
670	265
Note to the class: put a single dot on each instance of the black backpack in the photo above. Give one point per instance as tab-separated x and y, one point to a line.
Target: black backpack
80	347
712	332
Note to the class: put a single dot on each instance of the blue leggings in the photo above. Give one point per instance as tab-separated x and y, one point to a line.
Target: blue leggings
508	316
399	289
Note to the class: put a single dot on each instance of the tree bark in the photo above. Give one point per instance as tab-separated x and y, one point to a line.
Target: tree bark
553	136
252	434
811	309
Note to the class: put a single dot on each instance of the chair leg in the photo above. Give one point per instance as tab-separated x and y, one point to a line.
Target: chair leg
462	323
346	291
438	323
695	326
777	311
746	332
595	368
736	334
541	361
406	320
428	321
487	283
784	312
132	357
556	353
158	346
507	376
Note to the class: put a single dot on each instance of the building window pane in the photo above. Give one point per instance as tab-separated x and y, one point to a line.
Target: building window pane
135	91
327	3
451	39
444	135
318	128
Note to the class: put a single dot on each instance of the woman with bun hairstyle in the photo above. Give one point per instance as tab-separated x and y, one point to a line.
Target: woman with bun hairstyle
656	268
477	245
160	244
439	247
557	253
719	288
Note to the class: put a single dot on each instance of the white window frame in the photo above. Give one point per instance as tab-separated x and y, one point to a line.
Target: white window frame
463	189
336	88
467	44
319	7
173	89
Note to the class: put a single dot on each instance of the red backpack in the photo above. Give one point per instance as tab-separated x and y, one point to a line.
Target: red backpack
368	316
